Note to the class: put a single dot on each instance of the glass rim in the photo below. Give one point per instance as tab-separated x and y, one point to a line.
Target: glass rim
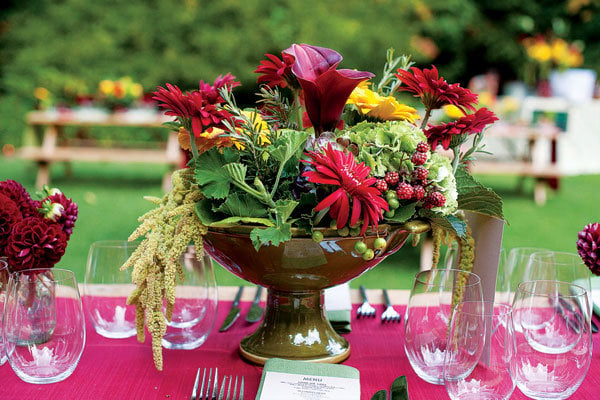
581	289
429	271
539	254
69	275
114	243
507	310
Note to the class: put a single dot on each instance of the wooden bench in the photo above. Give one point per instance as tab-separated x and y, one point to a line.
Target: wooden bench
528	165
49	129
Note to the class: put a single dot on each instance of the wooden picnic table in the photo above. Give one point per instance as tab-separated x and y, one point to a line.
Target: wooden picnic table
52	146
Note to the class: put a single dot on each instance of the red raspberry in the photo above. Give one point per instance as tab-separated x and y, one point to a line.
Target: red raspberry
419	158
392	178
434	199
381	185
420	173
418	192
405	191
423	147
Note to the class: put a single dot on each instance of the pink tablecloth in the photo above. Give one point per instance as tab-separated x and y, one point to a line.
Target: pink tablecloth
123	369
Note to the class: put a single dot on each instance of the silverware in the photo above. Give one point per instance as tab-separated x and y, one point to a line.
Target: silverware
234	313
204	395
256	311
365	309
231	395
389	315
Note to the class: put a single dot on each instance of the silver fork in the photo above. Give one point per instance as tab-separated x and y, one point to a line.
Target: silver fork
204	395
389	315
365	309
232	394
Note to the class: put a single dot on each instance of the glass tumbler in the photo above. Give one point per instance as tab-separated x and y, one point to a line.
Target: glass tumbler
514	270
553	338
433	297
195	310
478	352
44	328
106	288
4	274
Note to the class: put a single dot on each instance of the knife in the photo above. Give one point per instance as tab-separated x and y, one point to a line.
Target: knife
256	311
234	313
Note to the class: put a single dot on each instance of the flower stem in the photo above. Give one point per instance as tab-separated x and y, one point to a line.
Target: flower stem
426	118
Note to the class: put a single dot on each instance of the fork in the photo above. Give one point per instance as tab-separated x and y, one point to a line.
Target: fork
204	395
229	392
389	315
365	309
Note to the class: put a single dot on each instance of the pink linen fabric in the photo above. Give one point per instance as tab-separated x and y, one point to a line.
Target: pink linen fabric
123	368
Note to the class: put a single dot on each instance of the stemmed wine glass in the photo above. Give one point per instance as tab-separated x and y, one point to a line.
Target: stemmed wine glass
553	338
434	296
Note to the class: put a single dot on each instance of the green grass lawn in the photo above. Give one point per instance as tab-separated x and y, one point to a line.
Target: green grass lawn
110	200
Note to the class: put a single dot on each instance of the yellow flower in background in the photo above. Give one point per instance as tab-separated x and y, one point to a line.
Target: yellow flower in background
260	125
41	93
374	105
559	48
453	112
540	51
136	90
106	87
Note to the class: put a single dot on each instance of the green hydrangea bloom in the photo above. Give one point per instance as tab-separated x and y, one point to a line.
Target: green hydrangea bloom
440	172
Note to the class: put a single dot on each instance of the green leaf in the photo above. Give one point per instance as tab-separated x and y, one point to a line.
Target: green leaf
380	395
403	213
473	196
236	171
173	125
287	148
284	209
204	212
449	223
233	221
399	389
242	205
273	235
210	175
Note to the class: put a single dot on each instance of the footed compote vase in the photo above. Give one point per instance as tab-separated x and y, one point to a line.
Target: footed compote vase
295	274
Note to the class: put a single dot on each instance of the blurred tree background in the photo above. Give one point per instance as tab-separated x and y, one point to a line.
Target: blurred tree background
73	44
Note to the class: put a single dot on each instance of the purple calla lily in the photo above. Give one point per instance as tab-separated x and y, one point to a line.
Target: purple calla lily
326	89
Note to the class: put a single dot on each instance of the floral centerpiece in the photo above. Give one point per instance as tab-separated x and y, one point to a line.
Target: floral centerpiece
326	152
34	233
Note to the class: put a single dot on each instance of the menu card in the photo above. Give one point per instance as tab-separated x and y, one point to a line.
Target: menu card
299	380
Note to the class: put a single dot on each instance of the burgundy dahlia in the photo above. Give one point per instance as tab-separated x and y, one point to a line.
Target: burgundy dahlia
9	215
18	194
33	243
69	213
588	246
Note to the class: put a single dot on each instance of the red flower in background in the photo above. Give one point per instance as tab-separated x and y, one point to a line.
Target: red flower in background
34	243
325	89
588	246
338	168
434	91
469	124
210	92
277	72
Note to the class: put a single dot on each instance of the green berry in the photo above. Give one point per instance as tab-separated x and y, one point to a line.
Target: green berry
389	214
317	236
355	231
360	247
333	224
345	231
379	243
390	194
368	255
394	203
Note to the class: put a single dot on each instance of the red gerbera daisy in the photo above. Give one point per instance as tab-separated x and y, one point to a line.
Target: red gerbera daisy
469	124
174	101
335	167
210	92
433	89
276	72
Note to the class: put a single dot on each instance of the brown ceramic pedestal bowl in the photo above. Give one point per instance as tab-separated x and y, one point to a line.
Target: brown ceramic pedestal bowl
295	274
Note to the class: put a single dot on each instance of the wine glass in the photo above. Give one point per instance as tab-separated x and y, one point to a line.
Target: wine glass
4	273
106	288
433	297
476	364
195	310
559	266
552	334
513	271
44	328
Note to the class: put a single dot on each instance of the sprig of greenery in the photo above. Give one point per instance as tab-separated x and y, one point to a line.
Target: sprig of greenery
389	81
280	112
